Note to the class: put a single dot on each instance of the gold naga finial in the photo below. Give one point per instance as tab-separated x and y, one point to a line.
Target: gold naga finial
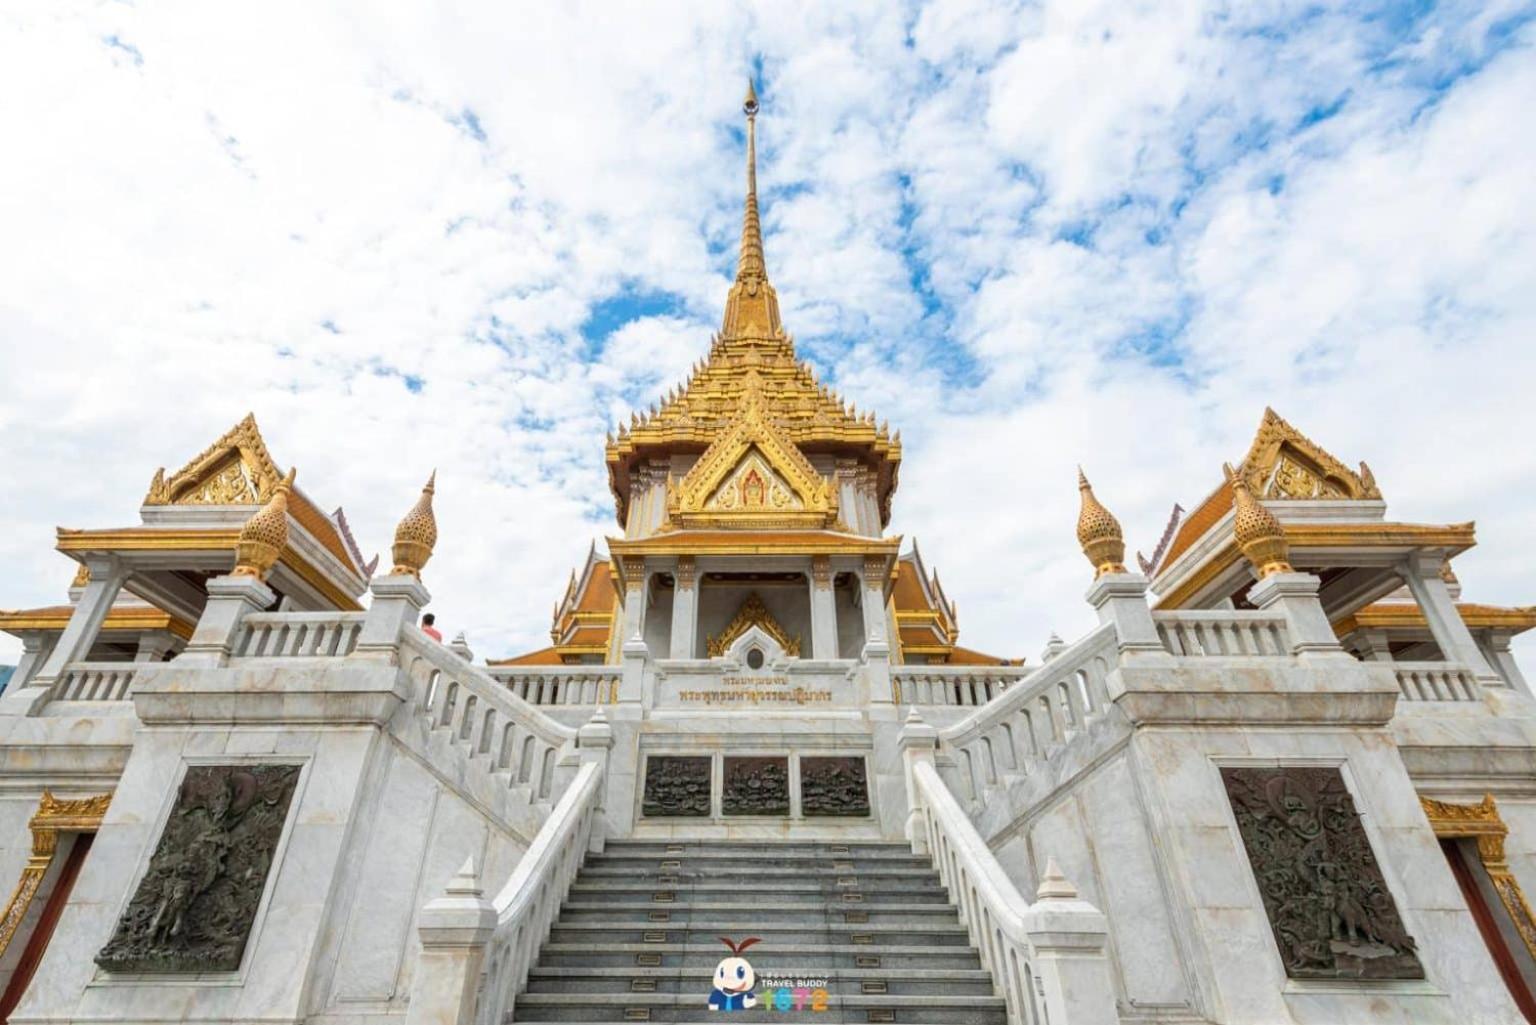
1099	532
416	535
1255	528
264	535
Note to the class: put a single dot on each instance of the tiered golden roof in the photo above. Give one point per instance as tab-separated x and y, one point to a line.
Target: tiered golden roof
752	353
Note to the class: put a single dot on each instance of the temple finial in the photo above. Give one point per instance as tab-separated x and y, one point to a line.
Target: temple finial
1098	532
751	264
264	535
1258	534
752	308
416	535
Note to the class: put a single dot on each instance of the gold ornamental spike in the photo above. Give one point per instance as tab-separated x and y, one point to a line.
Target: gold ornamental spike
1098	532
416	535
264	535
1257	532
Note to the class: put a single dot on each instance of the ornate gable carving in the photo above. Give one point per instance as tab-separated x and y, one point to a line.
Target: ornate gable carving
235	470
1283	463
753	613
752	476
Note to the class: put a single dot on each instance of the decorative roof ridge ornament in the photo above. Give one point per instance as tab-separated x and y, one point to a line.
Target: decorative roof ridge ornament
1257	532
416	536
265	534
1271	475
1098	532
205	479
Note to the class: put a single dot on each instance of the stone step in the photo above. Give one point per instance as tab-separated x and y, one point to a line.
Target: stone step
861	982
772	862
865	848
688	1007
595	870
599	931
705	955
762	912
831	889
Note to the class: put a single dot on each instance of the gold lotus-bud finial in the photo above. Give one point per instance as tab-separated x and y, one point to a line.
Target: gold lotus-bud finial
1258	533
416	535
264	535
1099	532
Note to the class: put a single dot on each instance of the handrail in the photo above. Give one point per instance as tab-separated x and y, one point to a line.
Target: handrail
529	903
953	685
297	635
1437	681
561	685
95	681
482	717
1093	645
991	907
1195	633
1021	728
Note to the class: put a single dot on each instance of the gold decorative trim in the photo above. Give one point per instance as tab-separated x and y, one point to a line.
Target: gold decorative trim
53	816
1283	463
236	469
752	613
1482	821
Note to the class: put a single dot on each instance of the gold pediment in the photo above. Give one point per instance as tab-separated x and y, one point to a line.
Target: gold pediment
1282	463
752	476
236	469
753	613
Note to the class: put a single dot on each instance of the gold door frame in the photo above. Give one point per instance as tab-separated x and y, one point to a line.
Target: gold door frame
1482	822
53	816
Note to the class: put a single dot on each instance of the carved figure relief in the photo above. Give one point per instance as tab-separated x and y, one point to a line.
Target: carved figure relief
756	786
676	786
1332	914
834	786
194	908
753	485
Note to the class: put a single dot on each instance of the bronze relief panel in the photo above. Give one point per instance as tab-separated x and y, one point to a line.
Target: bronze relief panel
194	908
834	786
1329	906
676	786
756	786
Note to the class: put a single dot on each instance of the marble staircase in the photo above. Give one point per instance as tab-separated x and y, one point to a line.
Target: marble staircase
638	937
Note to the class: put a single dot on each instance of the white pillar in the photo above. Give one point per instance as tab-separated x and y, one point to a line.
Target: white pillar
153	647
454	930
877	646
1373	646
398	599
35	649
823	609
918	742
1499	654
1121	598
633	649
74	644
1421	571
685	608
230	600
1294	595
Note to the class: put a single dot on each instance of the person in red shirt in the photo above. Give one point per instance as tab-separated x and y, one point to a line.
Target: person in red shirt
430	630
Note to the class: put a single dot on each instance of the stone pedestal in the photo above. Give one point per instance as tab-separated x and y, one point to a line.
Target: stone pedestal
397	602
230	600
1121	599
454	930
1294	595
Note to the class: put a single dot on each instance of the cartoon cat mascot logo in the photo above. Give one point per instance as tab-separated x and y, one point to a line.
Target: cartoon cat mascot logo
734	979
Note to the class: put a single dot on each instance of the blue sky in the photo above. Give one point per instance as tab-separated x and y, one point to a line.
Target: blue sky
1030	235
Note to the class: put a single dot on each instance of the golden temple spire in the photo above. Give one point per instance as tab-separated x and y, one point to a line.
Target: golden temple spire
1255	528
264	535
1098	532
416	535
752	308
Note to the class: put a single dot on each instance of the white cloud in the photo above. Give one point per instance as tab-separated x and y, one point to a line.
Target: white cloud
1066	232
